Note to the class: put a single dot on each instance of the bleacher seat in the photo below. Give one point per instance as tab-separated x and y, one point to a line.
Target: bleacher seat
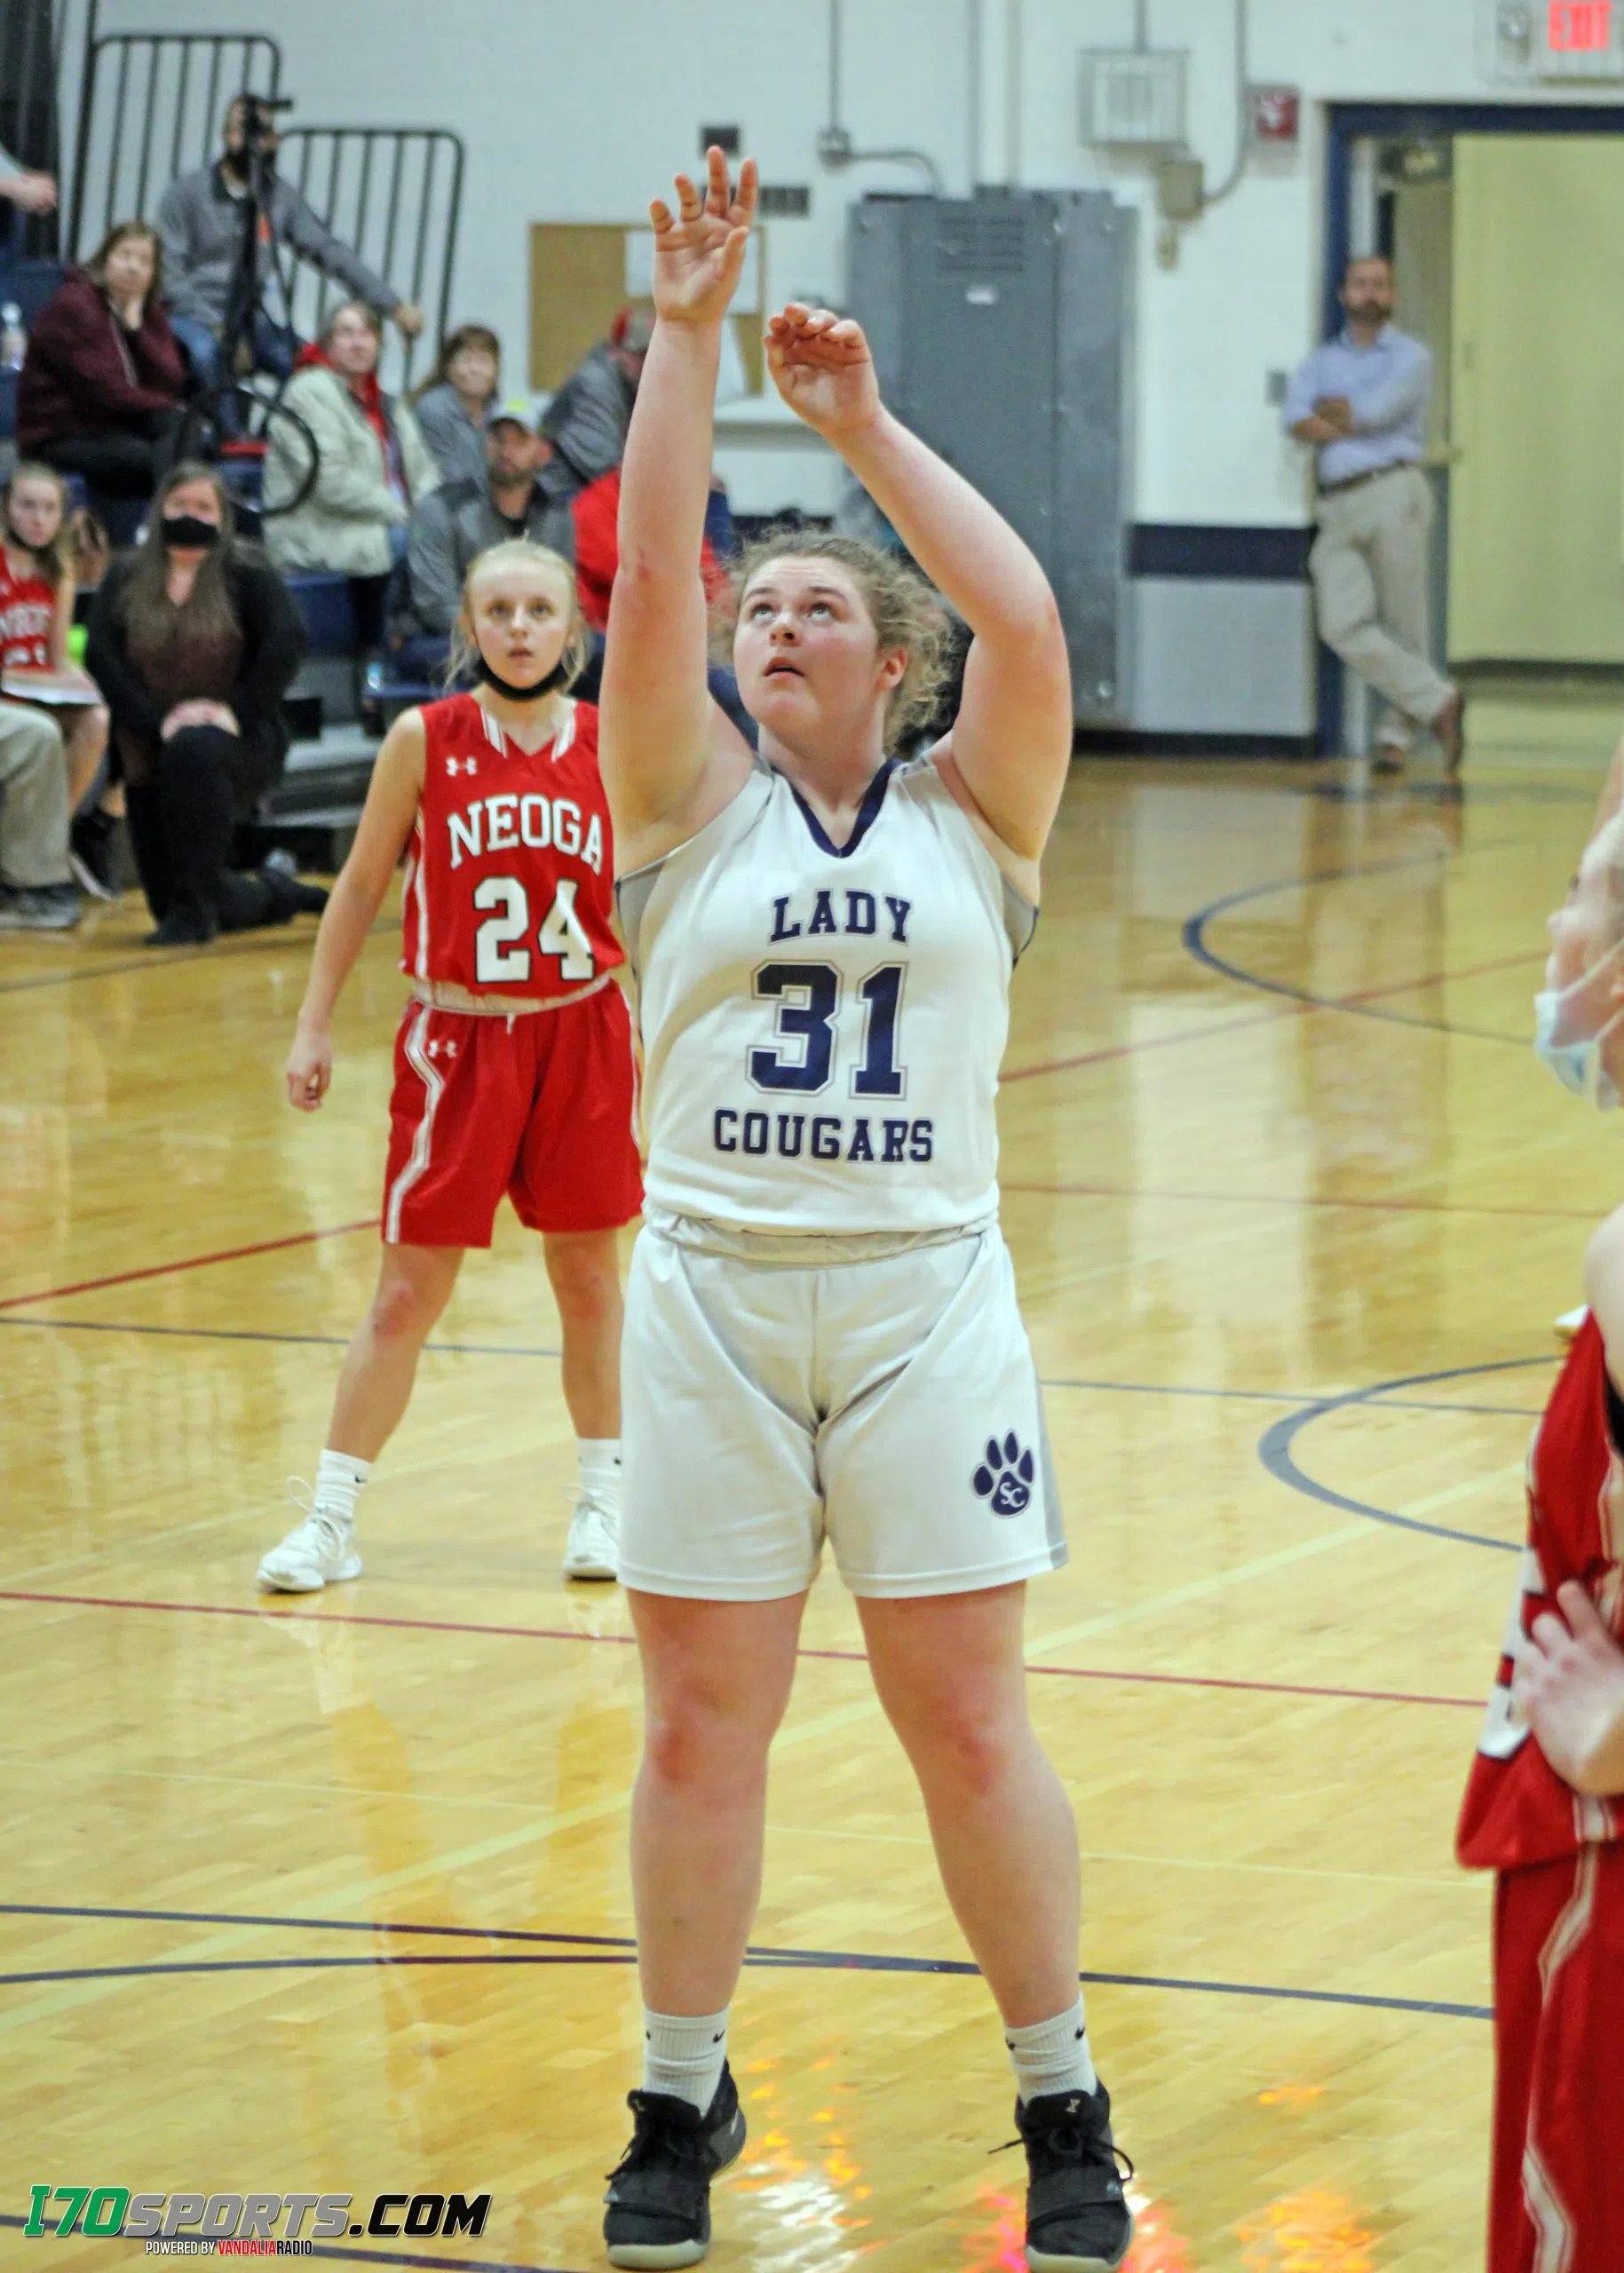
329	612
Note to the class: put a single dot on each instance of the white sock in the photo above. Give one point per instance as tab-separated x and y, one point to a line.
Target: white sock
339	1479
683	2056
598	1463
1052	2055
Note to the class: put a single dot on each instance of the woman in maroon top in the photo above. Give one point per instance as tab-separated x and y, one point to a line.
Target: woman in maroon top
104	378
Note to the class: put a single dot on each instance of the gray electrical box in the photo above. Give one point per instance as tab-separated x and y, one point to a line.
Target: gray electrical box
1002	327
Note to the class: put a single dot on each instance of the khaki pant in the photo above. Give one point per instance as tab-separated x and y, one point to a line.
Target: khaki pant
33	799
1369	567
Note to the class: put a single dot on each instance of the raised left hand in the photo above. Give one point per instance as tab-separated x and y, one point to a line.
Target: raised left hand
822	367
1569	1686
409	317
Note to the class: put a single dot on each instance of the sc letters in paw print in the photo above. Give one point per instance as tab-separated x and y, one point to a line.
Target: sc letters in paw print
1004	1478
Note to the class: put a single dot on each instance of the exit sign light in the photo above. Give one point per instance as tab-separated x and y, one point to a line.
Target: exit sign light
1579	27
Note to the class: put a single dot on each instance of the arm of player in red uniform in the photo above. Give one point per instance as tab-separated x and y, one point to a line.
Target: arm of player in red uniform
1569	1682
671	761
386	822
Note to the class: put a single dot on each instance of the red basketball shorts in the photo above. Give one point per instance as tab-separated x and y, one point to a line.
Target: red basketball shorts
539	1107
1557	2188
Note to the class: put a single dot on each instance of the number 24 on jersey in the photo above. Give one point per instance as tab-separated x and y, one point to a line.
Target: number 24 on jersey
498	957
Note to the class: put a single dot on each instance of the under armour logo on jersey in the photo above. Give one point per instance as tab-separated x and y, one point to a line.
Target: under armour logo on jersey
1005	1477
442	1049
462	765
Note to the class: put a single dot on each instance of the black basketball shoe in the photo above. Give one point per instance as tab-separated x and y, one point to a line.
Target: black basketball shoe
659	2195
1077	2218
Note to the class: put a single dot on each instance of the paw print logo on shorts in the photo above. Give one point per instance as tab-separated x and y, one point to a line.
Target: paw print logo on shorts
1005	1475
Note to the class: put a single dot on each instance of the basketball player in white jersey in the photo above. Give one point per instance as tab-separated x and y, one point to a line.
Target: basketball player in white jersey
822	1341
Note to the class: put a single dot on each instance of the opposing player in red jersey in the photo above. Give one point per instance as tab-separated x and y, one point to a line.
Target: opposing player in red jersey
36	612
514	1066
1544	1806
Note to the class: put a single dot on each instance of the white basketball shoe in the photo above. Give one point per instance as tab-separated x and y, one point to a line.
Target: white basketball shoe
593	1548
314	1555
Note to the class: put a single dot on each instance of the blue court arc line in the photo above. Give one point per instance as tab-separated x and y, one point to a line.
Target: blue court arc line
1193	937
615	1949
536	1349
1274	1450
339	2250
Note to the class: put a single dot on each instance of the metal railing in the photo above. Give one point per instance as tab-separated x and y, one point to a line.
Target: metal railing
151	105
393	195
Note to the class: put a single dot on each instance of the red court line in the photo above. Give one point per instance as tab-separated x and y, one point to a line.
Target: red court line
1291	1009
629	1641
1300	1199
189	1263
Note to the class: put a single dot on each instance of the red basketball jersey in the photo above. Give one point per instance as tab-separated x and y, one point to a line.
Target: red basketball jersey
1517	1810
510	874
27	608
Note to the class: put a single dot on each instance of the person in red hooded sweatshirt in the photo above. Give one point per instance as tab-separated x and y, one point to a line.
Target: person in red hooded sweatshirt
374	467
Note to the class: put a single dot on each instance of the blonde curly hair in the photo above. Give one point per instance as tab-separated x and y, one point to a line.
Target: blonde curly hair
903	606
517	552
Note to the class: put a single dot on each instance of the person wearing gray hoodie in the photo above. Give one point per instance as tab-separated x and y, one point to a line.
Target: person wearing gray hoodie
199	223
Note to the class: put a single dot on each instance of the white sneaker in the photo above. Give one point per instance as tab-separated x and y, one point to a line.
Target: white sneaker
315	1553
1568	1325
593	1548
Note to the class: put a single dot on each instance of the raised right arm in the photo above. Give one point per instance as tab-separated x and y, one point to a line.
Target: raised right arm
667	766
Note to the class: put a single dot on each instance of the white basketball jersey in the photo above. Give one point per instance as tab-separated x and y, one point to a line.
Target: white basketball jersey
822	1027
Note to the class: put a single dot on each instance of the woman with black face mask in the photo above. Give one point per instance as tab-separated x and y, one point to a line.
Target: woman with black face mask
193	642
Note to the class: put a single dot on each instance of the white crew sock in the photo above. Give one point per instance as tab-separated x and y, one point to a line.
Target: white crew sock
682	2057
339	1479
1052	2055
598	1464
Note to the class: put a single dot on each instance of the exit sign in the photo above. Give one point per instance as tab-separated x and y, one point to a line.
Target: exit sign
1579	27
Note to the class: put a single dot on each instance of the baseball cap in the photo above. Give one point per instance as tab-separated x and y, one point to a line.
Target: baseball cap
518	410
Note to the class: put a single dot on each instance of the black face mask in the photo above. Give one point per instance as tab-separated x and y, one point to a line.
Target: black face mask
555	678
185	532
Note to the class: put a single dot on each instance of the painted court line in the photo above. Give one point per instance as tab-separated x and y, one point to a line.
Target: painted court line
189	1263
840	1656
602	1949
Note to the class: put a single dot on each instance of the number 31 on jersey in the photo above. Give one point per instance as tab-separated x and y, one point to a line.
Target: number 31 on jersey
499	959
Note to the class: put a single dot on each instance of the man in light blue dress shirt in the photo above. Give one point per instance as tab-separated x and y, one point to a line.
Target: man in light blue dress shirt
1361	401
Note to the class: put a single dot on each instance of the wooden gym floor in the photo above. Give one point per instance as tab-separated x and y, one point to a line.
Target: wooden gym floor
331	1895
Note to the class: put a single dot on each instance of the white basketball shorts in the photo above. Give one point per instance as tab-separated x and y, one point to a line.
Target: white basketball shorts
891	1406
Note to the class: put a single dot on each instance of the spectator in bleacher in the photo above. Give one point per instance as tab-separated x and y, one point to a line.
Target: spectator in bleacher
200	220
29	192
36	892
588	419
374	468
520	493
193	640
36	612
104	378
453	406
